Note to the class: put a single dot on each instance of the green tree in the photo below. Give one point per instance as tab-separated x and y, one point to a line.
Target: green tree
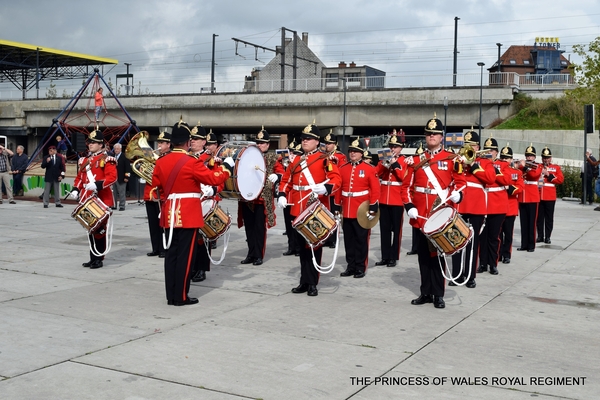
587	75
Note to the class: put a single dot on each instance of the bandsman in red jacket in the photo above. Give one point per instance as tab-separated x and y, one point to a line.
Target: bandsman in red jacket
178	177
429	177
529	199
513	190
330	143
359	184
97	173
390	173
479	173
497	206
258	215
551	176
311	174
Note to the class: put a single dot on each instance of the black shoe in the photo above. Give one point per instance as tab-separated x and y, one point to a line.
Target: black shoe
189	300
506	260
422	299
359	275
471	284
331	245
392	263
96	264
121	209
45	206
170	302
547	241
113	208
152	254
493	270
382	262
530	250
297	254
248	260
258	261
438	302
312	290
539	240
59	205
482	268
302	288
348	272
595	209
290	252
200	276
162	254
410	253
87	264
521	249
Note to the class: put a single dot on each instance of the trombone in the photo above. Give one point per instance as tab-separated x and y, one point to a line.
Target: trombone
468	154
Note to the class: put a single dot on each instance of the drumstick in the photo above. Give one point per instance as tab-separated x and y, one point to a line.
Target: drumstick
445	201
256	167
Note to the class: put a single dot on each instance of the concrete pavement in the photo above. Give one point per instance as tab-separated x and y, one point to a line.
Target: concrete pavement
70	332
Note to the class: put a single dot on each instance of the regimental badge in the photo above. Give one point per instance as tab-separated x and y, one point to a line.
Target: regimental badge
394	140
260	135
432	124
328	137
355	143
161	136
468	136
93	135
546	152
194	130
488	143
505	150
529	149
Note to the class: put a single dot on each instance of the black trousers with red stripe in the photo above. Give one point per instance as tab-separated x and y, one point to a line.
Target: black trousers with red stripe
390	229
98	241
430	267
527	216
255	224
506	235
489	241
476	222
545	219
356	242
308	273
180	258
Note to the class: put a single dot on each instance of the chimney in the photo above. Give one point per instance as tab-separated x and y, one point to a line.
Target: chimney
342	64
352	65
305	38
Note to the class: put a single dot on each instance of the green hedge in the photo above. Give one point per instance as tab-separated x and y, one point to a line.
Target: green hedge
572	184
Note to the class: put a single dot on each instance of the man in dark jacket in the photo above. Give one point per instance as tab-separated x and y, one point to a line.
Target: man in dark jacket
18	166
123	174
55	172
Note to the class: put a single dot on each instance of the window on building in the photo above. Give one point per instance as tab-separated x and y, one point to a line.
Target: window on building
525	62
353	76
512	61
332	77
563	63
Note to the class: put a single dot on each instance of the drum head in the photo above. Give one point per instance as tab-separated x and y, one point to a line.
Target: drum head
250	170
438	220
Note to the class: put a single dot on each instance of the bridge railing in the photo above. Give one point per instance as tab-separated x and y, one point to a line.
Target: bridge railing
66	89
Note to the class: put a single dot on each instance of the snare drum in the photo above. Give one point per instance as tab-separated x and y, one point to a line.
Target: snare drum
92	214
248	178
216	221
316	223
447	230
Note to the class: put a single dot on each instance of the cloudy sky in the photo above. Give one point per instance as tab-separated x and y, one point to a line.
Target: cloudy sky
168	42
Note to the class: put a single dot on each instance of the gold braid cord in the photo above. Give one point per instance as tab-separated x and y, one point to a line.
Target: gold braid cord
267	192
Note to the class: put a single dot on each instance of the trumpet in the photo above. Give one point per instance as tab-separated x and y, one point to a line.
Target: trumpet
468	154
527	163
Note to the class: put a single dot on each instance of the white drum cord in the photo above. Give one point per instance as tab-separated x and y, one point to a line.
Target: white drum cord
109	234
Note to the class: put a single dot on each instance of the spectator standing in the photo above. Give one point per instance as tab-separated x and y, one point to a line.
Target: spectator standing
54	165
5	172
123	175
588	177
19	166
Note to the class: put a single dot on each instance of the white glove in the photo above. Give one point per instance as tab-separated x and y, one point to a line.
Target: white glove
320	188
74	195
412	213
282	202
142	181
207	191
229	161
273	178
454	197
370	216
90	186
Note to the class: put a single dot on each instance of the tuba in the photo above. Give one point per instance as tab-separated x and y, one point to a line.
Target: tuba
139	151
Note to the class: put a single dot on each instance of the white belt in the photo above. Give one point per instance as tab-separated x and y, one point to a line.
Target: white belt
425	190
495	189
475	185
354	194
175	196
388	183
296	187
549	184
531	182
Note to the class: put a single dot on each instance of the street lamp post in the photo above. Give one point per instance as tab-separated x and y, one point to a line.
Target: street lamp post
498	69
127	83
445	114
344	116
480	64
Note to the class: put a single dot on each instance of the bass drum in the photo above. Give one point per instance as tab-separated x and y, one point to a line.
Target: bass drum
249	175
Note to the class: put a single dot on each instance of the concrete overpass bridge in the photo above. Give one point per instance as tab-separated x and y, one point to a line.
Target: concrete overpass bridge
367	112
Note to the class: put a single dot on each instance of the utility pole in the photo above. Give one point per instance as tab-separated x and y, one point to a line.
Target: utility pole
498	69
212	66
127	84
454	72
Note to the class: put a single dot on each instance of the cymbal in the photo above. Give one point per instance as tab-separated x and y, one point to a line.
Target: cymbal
361	216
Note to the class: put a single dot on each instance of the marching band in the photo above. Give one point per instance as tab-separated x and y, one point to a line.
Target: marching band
461	205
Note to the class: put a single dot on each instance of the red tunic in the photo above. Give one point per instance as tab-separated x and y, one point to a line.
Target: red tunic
418	191
514	190
104	170
531	176
185	191
497	198
359	183
391	180
295	186
554	177
474	195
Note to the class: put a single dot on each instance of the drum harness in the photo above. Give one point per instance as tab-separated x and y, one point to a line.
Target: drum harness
225	241
311	184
